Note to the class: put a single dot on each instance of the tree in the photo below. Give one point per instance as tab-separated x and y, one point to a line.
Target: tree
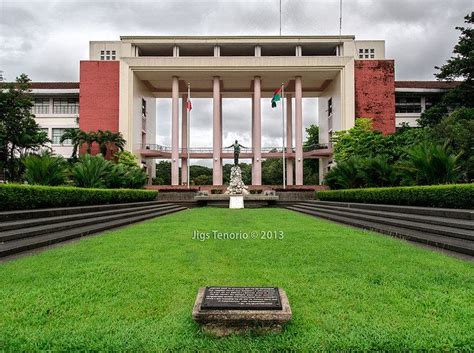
77	139
429	164
460	66
89	138
127	158
163	173
362	141
19	132
311	166
107	140
458	130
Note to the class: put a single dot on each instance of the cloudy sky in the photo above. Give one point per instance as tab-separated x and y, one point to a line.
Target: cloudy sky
46	39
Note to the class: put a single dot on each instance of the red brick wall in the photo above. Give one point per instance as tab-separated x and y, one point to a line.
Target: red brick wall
99	96
375	93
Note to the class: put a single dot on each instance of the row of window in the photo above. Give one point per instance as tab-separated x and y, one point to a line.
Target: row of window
108	55
60	106
367	53
408	104
56	134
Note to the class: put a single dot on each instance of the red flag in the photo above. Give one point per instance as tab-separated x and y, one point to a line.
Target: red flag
189	106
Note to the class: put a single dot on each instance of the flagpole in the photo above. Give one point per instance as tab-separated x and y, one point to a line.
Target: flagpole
283	131
187	135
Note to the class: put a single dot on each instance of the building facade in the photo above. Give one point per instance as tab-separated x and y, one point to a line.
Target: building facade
122	80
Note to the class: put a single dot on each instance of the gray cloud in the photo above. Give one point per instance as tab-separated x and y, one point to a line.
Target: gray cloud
46	39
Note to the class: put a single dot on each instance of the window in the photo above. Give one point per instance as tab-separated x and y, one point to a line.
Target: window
367	53
408	104
108	54
57	133
65	106
41	106
431	100
329	106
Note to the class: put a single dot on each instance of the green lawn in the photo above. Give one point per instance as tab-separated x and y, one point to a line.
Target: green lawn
134	288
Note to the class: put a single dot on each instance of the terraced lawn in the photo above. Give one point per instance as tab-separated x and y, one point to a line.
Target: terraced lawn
134	288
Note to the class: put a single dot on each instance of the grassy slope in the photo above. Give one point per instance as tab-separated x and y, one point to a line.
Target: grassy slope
134	288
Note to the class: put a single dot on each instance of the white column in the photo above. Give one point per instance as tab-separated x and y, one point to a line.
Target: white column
184	139
298	131
217	133
289	139
257	133
175	131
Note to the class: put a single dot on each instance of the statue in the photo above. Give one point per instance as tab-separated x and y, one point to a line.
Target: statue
236	145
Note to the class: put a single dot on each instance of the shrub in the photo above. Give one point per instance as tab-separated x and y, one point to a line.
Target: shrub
16	197
91	171
345	175
430	164
450	196
45	169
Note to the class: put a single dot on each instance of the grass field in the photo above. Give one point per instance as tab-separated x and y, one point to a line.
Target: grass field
134	288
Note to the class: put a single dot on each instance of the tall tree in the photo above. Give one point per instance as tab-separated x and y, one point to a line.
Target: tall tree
77	139
19	132
459	67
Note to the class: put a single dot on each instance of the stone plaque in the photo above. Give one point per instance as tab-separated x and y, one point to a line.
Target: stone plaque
241	298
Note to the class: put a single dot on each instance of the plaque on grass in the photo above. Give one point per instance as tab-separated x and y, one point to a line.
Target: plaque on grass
222	311
241	298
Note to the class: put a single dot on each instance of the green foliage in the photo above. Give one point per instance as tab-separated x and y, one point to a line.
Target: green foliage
77	138
202	180
377	172
430	164
163	173
361	141
91	171
461	66
108	140
312	133
458	130
18	197
45	169
272	171
19	132
345	175
449	196
126	158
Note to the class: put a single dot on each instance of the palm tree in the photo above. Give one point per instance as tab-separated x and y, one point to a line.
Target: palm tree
77	139
45	169
107	140
430	164
89	138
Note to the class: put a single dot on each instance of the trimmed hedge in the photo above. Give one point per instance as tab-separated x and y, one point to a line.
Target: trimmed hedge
19	197
446	196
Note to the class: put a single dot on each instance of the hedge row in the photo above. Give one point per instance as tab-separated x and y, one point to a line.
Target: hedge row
445	196
19	197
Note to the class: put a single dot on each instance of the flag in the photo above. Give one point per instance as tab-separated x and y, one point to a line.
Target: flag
276	97
189	106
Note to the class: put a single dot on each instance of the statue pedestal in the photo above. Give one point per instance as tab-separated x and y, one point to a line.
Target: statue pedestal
236	201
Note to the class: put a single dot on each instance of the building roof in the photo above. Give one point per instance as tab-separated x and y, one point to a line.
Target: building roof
51	85
427	84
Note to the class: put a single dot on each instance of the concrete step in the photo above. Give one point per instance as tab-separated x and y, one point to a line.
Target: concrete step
427	211
55	227
437	229
436	220
62	211
453	244
24	244
18	224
